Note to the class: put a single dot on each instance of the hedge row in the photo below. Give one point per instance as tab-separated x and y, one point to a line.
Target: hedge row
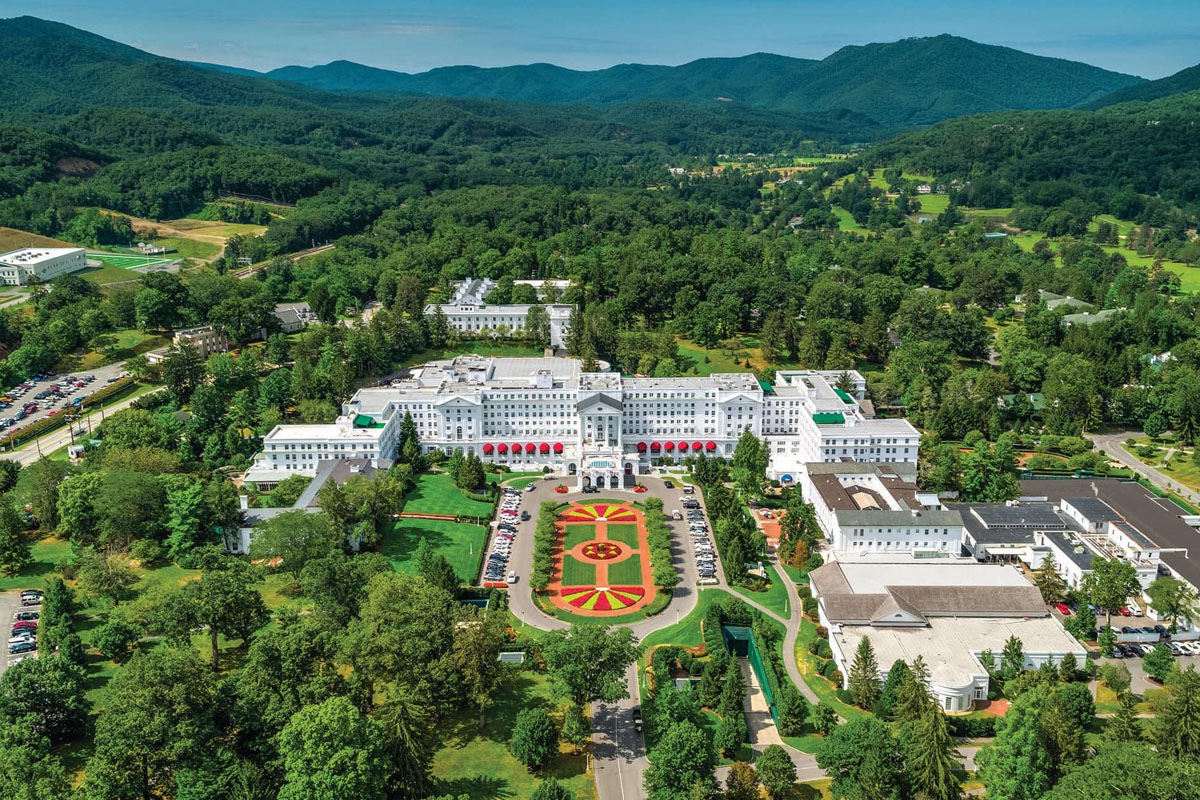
544	534
659	537
791	706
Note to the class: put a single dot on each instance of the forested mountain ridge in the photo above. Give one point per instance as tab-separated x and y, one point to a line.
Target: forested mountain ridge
1186	80
909	82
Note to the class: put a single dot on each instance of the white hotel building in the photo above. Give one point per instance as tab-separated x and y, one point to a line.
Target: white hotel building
469	313
42	264
598	428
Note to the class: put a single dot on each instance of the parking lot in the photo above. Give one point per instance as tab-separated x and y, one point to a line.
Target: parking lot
499	567
10	604
13	413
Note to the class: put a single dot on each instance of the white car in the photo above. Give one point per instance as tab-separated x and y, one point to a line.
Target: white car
512	577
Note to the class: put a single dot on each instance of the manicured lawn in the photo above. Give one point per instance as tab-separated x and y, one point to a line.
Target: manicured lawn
46	552
933	203
109	273
190	248
623	532
719	359
577	534
436	493
476	763
1179	469
817	682
458	542
687	632
493	349
774	599
627	572
847	223
578	573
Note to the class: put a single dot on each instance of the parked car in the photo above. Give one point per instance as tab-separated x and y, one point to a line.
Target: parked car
26	615
529	487
512	576
22	647
1062	609
637	718
525	516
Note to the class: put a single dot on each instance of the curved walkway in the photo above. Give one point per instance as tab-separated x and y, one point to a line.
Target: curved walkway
1110	443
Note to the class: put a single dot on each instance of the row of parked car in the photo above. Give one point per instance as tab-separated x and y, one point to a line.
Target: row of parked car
1139	650
23	638
47	397
506	534
706	559
1068	608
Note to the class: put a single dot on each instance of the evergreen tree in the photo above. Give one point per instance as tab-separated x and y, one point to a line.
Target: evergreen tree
932	757
534	737
1017	765
912	695
1012	659
776	770
1062	733
14	544
864	675
1177	727
551	789
1068	669
1049	582
1124	726
825	719
885	704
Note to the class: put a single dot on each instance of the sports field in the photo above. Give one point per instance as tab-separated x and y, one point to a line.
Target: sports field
130	262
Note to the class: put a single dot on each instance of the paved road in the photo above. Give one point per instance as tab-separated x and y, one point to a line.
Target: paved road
60	406
61	437
1110	443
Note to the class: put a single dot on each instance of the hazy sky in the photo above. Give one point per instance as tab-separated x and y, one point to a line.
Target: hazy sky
1152	38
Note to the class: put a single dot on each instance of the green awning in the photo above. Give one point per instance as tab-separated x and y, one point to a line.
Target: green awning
846	398
363	421
829	418
766	387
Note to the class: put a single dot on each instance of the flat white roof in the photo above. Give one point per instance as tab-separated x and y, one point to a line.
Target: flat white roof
949	644
35	255
872	576
314	433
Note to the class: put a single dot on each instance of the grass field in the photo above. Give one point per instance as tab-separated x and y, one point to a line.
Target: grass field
578	573
687	632
477	764
129	261
493	349
46	552
1180	468
624	532
190	248
774	599
846	222
721	360
458	542
933	203
13	239
576	534
436	493
627	572
125	344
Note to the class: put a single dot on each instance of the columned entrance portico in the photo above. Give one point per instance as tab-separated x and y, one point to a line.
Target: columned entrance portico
603	472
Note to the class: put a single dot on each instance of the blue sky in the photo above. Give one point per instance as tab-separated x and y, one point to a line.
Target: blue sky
1151	39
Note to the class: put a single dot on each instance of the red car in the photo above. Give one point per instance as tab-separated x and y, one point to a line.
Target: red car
24	625
1063	609
1125	612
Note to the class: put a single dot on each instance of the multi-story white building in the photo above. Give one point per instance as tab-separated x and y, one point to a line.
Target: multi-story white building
469	313
42	264
869	507
600	428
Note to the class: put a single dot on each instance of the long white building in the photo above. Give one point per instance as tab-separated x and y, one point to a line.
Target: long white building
470	313
598	428
877	508
42	264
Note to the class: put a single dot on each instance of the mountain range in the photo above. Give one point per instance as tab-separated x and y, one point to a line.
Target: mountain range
905	83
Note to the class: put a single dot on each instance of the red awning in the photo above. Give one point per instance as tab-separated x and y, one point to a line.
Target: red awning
530	447
487	448
669	445
710	446
697	446
543	448
655	447
683	445
503	448
558	448
641	446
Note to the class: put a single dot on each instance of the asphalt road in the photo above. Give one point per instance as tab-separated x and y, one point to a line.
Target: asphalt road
1110	443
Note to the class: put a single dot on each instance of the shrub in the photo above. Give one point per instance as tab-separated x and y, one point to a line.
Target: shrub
972	727
810	606
836	678
814	646
804	592
845	696
823	649
829	668
822	631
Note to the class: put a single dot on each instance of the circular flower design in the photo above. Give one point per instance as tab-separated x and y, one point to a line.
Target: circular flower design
600	598
601	551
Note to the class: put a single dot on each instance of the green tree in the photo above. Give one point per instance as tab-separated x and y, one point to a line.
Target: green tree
1110	584
15	552
1018	765
1155	425
49	693
682	758
1012	658
10	470
114	639
750	459
227	602
825	719
588	662
295	538
1129	771
912	693
1173	600
742	782
537	326
476	654
534	738
931	757
1124	726
158	717
864	760
864	675
409	743
45	476
1049	581
551	789
776	770
331	751
105	575
28	771
885	704
182	370
1158	662
1107	640
1177	725
576	730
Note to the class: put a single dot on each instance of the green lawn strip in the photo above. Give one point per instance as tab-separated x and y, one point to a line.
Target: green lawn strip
774	599
847	223
46	553
577	573
435	493
486	349
623	532
626	573
933	203
577	533
686	632
514	479
458	542
807	662
477	763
